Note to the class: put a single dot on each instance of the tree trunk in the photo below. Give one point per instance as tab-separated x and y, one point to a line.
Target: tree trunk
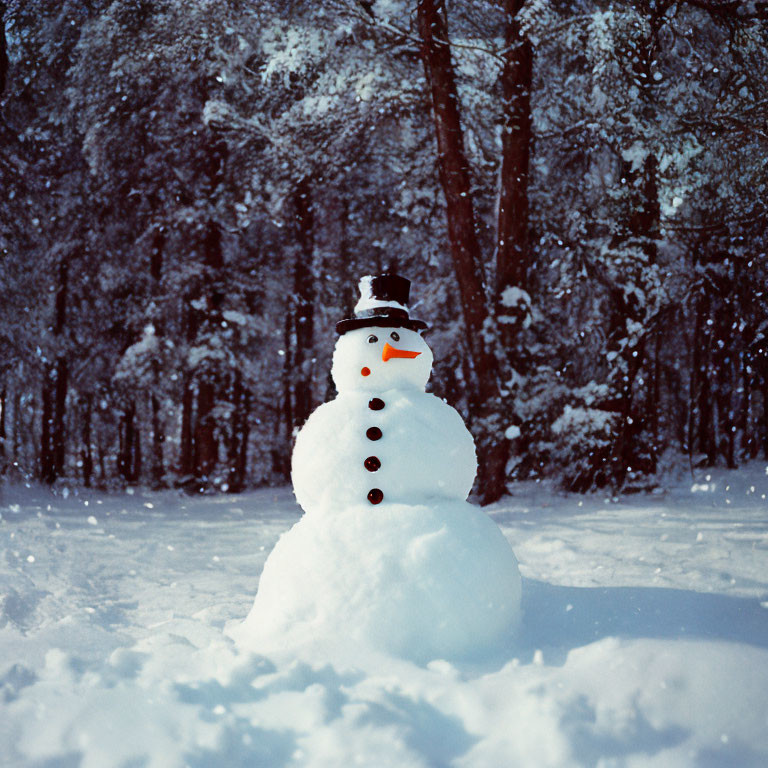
206	448
100	452
158	441
344	268
303	304
706	429
136	464
121	448
237	453
455	182
156	257
187	446
86	454
62	373
3	51
55	382
644	220
690	430
765	417
127	444
186	460
47	474
3	406
245	431
283	422
233	434
17	428
512	247
723	354
158	429
59	424
129	460
641	223
627	312
624	453
745	422
705	437
654	399
493	448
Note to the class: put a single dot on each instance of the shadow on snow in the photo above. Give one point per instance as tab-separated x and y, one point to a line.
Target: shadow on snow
562	618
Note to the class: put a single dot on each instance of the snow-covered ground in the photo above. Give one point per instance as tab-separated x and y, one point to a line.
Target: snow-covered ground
644	643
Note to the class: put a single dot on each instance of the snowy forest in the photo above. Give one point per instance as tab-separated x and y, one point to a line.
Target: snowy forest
191	191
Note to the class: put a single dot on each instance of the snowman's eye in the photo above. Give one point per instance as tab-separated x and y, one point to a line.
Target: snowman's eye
395	336
372	339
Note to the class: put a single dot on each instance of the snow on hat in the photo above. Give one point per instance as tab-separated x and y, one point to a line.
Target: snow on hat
383	303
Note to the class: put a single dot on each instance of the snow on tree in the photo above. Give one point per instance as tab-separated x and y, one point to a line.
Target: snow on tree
193	189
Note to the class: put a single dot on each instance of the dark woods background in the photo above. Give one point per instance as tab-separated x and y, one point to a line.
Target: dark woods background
190	191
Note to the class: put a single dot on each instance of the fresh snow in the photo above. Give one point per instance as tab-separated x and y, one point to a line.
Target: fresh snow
583	420
644	639
512	296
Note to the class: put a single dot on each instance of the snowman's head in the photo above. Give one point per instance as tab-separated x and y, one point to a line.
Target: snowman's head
374	359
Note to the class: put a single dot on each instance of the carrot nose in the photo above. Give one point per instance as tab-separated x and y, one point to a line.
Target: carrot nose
390	352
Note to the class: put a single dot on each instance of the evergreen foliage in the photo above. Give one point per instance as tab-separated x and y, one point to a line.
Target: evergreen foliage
192	189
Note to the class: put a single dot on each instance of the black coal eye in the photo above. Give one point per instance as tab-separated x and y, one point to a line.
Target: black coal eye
372	339
395	336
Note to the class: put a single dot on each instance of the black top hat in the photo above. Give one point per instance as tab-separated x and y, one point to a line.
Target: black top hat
383	303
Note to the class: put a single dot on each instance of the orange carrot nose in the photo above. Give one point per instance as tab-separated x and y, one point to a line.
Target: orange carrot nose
390	352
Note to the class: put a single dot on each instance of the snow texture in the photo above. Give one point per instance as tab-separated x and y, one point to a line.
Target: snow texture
416	581
582	421
418	573
512	296
426	452
644	641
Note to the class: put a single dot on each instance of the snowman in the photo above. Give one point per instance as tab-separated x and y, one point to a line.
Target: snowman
389	555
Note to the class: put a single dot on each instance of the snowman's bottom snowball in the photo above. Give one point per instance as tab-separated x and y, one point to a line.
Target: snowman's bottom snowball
416	581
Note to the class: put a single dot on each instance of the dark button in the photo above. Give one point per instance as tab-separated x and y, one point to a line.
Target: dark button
372	463
375	496
373	433
376	404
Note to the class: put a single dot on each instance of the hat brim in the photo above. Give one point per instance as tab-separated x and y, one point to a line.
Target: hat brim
354	323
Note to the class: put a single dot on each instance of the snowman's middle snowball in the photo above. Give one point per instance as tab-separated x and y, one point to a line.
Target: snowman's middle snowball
424	451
